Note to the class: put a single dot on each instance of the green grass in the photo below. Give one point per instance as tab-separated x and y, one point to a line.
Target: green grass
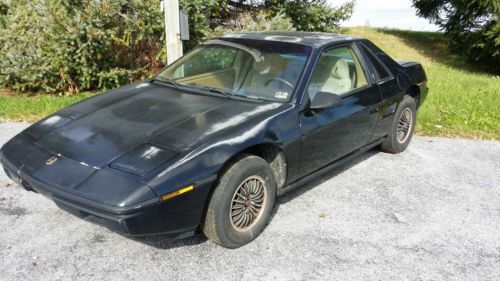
462	102
24	107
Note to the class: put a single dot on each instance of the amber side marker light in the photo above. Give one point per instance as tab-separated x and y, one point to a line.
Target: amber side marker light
177	192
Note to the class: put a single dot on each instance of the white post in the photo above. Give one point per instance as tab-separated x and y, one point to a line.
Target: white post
172	30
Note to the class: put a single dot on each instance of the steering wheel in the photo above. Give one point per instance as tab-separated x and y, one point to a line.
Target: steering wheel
283	81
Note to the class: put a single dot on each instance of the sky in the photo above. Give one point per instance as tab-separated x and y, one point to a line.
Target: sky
386	13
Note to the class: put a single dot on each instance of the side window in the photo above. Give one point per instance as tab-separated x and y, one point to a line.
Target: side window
381	72
338	71
212	59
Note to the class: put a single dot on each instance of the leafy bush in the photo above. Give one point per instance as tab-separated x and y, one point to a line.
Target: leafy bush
75	45
4	8
72	45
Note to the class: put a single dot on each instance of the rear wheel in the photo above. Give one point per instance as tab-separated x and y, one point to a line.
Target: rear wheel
402	127
241	204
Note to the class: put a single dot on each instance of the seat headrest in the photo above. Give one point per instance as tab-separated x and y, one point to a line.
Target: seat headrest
331	67
340	69
269	62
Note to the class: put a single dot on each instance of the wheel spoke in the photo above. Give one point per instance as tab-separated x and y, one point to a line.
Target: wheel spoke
244	223
256	196
254	184
257	204
237	216
237	210
407	115
253	209
240	195
259	188
239	201
239	219
259	199
236	207
244	190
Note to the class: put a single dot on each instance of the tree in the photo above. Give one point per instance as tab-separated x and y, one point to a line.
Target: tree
312	15
305	15
472	26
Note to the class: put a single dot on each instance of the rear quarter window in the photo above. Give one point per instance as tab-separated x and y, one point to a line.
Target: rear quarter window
380	72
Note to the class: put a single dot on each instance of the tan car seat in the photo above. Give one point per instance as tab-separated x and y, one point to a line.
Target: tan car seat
339	80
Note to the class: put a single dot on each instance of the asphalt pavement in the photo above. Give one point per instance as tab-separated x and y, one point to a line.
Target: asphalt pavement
430	213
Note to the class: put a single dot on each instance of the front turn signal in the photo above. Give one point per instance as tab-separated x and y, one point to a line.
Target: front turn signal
177	192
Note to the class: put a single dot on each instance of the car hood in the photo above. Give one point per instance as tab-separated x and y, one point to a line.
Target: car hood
99	130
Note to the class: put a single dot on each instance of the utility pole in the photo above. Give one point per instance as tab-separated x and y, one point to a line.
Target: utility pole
172	30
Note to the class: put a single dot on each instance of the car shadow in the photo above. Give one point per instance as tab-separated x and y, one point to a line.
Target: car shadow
166	242
301	189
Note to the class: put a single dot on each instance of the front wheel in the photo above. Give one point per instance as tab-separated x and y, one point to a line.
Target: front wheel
241	204
402	127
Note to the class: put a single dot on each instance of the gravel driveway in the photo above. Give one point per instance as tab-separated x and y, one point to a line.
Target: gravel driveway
430	213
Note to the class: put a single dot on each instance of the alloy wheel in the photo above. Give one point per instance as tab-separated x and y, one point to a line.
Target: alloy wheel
405	124
247	204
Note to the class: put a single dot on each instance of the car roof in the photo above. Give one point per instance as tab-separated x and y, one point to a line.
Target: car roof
315	39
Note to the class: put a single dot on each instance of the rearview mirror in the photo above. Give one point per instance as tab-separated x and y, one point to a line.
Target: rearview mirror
324	100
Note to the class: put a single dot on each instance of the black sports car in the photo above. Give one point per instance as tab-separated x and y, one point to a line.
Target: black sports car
214	137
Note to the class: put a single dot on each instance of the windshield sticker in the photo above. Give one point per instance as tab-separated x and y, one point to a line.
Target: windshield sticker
281	95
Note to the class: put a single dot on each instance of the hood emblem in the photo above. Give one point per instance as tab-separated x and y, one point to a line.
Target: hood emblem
51	160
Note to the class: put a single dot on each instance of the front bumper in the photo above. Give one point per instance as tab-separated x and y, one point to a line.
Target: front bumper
177	215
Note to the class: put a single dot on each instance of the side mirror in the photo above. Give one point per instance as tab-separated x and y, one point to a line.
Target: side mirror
324	100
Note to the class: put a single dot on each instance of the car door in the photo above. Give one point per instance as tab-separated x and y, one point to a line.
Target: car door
332	133
390	87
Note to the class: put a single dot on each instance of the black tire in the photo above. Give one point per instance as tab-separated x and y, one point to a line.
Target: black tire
393	144
219	224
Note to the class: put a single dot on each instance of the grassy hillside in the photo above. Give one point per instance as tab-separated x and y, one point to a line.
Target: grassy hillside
462	101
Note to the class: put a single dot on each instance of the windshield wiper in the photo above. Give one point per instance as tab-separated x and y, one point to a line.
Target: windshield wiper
167	81
172	82
225	93
228	94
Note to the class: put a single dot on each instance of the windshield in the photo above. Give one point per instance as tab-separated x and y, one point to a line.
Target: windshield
253	69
